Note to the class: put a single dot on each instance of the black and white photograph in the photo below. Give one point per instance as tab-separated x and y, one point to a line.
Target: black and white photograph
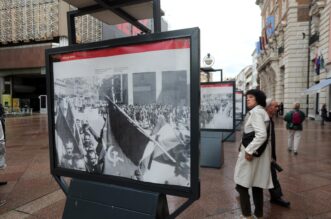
125	112
217	106
239	105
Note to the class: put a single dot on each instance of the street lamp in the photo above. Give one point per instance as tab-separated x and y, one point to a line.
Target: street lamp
209	60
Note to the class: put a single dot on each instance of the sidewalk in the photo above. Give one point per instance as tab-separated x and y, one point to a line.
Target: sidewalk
31	191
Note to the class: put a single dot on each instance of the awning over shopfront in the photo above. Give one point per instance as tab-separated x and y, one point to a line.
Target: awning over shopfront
317	87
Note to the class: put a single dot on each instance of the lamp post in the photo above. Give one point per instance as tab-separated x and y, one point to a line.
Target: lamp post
208	62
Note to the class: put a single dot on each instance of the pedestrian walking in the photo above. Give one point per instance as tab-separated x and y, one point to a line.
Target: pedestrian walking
276	192
324	114
280	109
253	165
294	119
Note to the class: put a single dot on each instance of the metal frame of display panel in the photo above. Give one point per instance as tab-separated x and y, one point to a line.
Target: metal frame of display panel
242	105
193	35
223	110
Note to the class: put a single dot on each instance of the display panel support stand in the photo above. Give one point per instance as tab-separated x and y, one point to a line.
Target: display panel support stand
86	199
211	149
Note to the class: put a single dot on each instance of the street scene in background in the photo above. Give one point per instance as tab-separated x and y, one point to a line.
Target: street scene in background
239	105
124	113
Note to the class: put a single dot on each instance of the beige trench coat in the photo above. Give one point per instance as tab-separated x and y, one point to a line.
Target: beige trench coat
255	173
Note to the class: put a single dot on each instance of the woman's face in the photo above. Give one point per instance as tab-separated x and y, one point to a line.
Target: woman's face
251	101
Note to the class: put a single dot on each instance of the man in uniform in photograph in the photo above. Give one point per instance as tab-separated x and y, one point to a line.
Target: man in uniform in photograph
66	160
93	164
87	142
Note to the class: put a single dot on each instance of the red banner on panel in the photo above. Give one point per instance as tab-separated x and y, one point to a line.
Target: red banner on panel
217	85
147	47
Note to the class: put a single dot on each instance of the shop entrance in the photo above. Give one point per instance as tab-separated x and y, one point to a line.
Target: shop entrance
26	90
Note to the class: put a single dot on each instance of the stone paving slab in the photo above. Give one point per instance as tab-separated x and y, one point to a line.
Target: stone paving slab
32	193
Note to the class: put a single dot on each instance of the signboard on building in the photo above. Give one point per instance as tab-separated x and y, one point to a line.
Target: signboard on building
270	25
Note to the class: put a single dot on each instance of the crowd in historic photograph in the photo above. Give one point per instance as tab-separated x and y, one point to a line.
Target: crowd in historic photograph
105	126
216	111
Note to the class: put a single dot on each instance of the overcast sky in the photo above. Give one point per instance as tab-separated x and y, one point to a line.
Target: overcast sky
228	28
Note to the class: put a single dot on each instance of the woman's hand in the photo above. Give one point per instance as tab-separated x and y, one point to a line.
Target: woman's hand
248	156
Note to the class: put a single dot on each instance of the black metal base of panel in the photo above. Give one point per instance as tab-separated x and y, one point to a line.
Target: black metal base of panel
211	149
88	200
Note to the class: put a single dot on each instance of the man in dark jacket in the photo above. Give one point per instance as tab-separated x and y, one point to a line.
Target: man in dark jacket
294	121
276	192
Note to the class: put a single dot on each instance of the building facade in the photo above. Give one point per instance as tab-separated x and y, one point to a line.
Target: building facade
282	63
244	79
27	29
295	52
320	54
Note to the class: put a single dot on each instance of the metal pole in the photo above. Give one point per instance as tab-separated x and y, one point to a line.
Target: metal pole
157	16
71	27
308	60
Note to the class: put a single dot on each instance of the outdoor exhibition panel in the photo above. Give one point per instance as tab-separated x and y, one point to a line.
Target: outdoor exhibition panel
217	111
126	111
239	105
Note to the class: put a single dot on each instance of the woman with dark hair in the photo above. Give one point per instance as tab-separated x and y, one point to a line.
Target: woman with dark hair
253	165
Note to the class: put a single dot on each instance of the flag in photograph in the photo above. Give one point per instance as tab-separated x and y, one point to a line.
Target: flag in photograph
65	132
129	136
70	118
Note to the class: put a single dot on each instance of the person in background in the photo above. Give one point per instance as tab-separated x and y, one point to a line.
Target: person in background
294	119
251	170
324	114
276	192
280	109
2	118
3	164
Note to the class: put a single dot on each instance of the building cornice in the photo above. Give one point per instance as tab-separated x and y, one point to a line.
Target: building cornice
316	7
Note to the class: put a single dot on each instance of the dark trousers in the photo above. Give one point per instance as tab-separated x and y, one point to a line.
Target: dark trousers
245	203
276	192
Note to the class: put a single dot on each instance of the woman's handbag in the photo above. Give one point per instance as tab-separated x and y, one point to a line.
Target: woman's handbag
248	138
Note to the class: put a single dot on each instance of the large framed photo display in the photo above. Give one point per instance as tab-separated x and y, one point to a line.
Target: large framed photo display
125	111
239	105
217	106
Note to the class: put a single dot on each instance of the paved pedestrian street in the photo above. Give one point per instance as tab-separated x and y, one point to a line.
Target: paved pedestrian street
31	191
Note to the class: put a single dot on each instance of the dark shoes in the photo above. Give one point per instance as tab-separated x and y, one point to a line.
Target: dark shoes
2	183
295	153
280	202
